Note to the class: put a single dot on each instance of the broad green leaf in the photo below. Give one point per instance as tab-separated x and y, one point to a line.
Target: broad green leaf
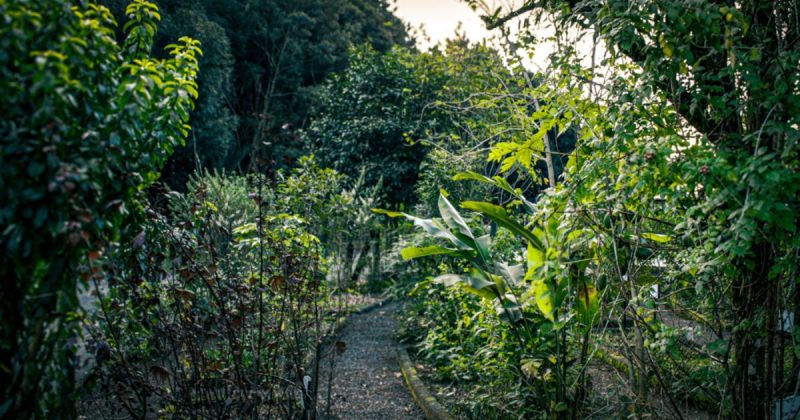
501	217
451	216
513	273
460	228
472	282
430	226
419	287
483	293
482	245
392	214
535	258
544	298
587	304
657	237
415	252
508	308
472	176
496	181
498	282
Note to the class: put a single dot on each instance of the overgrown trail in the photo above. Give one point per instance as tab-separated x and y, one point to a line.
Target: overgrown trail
366	382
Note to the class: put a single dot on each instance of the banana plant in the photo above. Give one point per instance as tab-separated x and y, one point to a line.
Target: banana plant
492	279
486	278
554	275
558	274
558	258
546	255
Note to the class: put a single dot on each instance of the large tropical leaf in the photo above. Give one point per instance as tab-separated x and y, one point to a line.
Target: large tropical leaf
513	273
482	244
587	304
417	252
431	226
544	298
452	218
460	229
508	308
502	218
472	282
496	181
535	258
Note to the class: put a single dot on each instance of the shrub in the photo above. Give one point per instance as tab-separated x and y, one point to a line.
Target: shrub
212	312
87	123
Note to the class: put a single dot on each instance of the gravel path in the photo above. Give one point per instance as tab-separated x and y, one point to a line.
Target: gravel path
367	383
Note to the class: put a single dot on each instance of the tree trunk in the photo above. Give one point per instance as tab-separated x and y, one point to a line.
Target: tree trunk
754	309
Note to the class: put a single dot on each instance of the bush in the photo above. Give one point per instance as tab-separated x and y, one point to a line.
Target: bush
87	123
338	210
213	311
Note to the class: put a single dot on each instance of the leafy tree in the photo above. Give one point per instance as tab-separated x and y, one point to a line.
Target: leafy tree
491	106
214	125
729	73
384	110
366	115
87	124
282	49
252	106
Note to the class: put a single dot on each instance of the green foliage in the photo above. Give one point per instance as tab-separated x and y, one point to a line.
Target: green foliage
556	283
489	107
224	284
203	306
311	190
687	130
87	123
459	335
284	47
224	201
642	211
282	50
436	172
338	212
508	370
383	111
213	136
365	116
263	62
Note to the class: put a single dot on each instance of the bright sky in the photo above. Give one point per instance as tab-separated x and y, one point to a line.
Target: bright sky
440	18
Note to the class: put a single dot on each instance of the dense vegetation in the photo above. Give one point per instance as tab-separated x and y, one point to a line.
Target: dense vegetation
261	61
192	194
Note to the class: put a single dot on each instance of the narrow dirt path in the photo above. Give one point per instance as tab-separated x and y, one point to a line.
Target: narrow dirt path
366	382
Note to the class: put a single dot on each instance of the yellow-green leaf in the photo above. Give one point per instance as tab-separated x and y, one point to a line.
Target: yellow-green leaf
544	298
588	304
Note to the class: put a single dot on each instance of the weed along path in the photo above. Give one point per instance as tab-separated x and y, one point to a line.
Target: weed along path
366	377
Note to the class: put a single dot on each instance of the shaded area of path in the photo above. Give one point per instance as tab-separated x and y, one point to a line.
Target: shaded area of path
367	383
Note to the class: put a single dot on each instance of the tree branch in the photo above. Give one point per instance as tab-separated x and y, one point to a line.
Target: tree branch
677	93
492	23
